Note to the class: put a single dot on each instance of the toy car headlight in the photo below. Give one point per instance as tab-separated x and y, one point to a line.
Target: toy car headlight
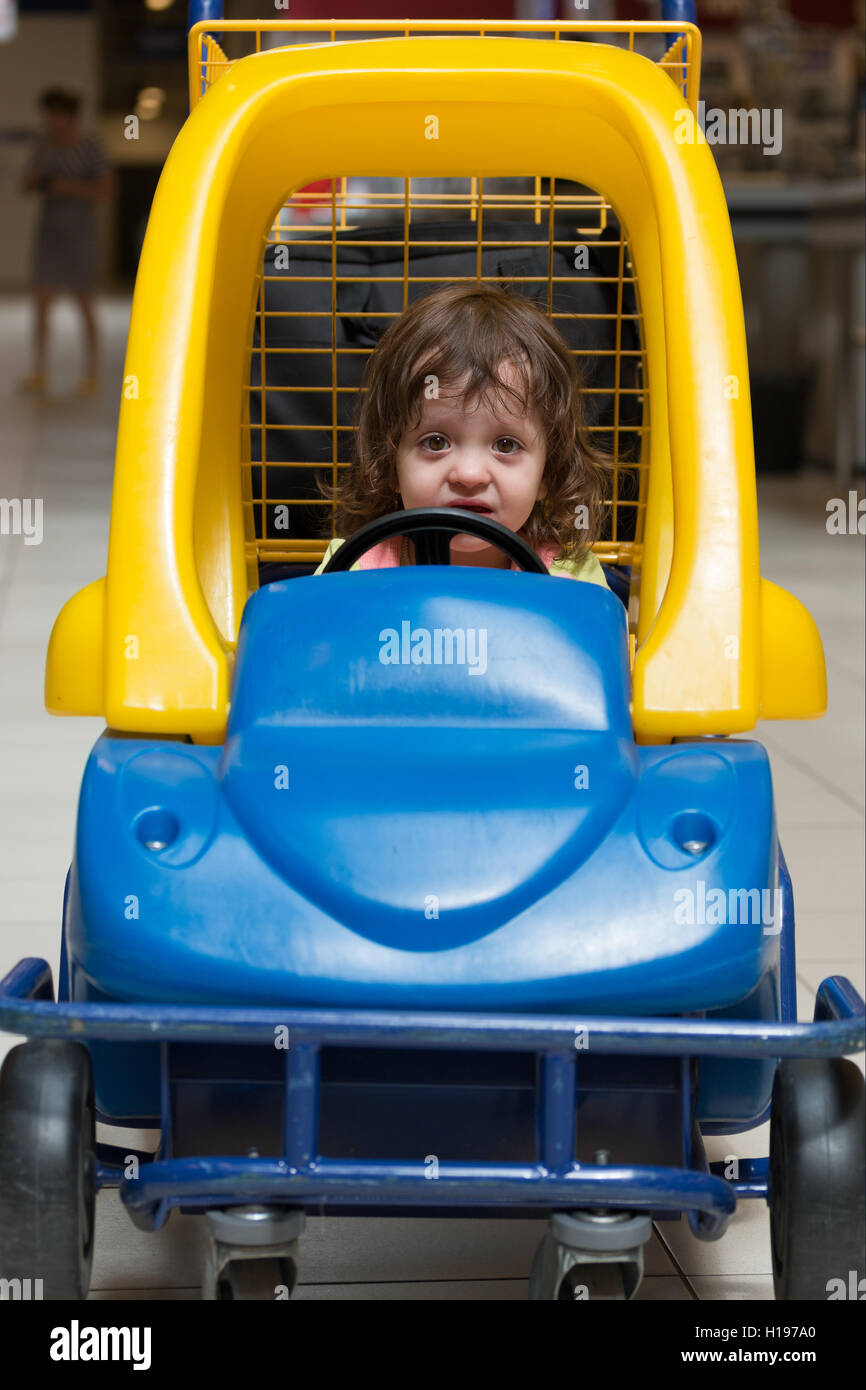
685	805
169	801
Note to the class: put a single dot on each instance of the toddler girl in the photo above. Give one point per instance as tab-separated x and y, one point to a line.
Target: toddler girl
473	400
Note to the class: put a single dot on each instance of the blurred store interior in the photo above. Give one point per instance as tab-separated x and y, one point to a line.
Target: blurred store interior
797	212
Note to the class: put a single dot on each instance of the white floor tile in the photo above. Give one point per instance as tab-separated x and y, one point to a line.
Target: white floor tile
481	1291
745	1245
31	901
814	971
821	935
735	1288
826	867
803	795
167	1294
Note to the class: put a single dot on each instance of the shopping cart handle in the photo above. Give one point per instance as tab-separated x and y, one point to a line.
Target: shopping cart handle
678	11
204	9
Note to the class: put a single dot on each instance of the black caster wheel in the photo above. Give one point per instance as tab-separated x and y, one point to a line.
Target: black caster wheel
47	1166
817	1168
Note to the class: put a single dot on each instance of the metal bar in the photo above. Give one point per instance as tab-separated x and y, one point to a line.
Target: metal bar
617	383
200	12
558	31
379	202
31	978
224	1181
335	399
301	1113
687	1113
166	1138
787	961
673	1037
551	226
203	12
836	998
263	407
556	1116
446	26
753	1180
678	12
697	1158
435	280
479	256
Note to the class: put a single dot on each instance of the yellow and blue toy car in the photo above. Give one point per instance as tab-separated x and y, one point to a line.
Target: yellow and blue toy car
353	936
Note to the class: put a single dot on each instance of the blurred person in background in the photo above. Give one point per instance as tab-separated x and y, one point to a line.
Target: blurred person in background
70	171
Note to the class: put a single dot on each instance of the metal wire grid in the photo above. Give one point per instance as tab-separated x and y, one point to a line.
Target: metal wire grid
271	459
269	471
208	60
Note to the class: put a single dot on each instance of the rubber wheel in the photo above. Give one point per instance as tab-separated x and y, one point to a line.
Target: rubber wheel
817	1173
47	1166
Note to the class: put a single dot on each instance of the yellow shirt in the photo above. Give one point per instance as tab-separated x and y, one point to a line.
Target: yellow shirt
587	568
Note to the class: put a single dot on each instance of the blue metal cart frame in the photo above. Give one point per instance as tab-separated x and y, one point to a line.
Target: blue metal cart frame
300	1177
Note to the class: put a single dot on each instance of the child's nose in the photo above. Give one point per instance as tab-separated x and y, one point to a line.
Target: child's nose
470	465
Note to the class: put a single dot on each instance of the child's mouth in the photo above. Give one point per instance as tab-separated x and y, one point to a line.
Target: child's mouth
472	507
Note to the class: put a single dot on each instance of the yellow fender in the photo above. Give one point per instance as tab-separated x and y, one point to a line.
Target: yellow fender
716	650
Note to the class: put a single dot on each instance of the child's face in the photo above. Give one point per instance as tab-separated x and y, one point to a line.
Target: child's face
479	457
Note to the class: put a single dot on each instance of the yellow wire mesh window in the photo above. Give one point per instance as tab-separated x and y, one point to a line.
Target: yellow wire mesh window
209	60
345	257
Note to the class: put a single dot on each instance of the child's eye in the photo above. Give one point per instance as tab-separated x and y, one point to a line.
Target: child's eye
435	443
506	441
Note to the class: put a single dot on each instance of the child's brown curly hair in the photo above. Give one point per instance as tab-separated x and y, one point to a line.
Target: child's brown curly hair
470	330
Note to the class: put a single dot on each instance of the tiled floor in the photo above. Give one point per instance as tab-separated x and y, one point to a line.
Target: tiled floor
62	451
